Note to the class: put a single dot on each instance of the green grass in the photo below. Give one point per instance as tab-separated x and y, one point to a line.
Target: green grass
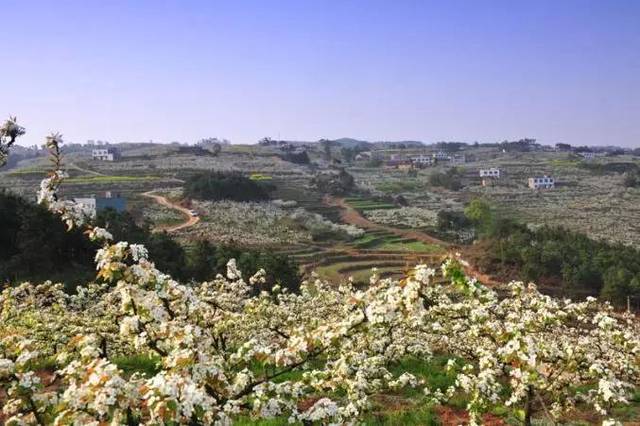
414	414
28	171
432	370
259	177
332	272
564	164
368	241
413	247
144	364
395	186
46	363
88	180
631	411
278	421
394	243
368	204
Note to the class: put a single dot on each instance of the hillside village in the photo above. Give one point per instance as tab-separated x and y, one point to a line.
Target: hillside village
393	189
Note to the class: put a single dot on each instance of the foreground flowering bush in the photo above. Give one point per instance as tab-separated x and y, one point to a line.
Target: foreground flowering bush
316	356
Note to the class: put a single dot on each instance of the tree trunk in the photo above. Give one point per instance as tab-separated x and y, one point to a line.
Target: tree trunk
528	409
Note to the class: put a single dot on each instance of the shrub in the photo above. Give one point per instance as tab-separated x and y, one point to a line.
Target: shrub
334	183
451	179
215	186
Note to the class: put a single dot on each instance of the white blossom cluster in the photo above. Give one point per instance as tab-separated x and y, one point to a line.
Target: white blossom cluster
410	217
271	223
9	132
317	224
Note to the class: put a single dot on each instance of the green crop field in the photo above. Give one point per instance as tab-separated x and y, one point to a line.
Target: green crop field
368	204
89	180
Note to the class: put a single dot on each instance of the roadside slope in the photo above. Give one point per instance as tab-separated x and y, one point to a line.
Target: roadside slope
190	220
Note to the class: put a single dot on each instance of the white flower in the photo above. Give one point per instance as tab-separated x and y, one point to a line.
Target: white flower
138	251
6	367
98	233
232	270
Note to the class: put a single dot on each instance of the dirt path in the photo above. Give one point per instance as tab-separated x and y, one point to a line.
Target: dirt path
351	216
190	220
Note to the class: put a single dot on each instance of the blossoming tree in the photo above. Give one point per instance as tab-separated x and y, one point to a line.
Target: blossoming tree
9	132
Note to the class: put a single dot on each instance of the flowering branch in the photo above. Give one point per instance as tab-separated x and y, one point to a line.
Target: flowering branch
9	132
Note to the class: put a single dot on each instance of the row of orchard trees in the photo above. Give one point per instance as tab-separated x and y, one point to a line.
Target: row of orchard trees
223	353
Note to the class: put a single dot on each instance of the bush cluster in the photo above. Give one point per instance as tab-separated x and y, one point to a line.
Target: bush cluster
216	186
451	179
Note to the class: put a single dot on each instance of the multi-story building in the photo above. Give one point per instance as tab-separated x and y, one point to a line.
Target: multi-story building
398	164
544	182
441	156
105	154
588	155
422	160
492	172
458	159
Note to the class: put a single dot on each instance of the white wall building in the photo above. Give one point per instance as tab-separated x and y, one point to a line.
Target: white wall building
458	159
105	154
544	182
422	160
589	155
441	156
493	172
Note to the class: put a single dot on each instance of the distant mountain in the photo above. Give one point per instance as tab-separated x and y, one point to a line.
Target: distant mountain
352	143
407	144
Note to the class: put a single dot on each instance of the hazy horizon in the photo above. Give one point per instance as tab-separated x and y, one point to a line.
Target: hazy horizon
407	70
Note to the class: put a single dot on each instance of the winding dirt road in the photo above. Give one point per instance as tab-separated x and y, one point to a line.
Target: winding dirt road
190	220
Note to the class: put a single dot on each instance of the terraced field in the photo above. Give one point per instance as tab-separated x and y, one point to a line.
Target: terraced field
390	254
364	204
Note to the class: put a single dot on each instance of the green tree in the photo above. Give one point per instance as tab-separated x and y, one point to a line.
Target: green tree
168	255
479	212
631	180
225	186
202	261
35	245
617	285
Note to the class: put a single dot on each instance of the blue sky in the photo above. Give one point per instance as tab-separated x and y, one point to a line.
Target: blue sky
559	71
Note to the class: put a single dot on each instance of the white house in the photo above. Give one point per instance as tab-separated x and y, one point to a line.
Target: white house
422	160
458	159
589	155
493	172
105	154
544	182
441	156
